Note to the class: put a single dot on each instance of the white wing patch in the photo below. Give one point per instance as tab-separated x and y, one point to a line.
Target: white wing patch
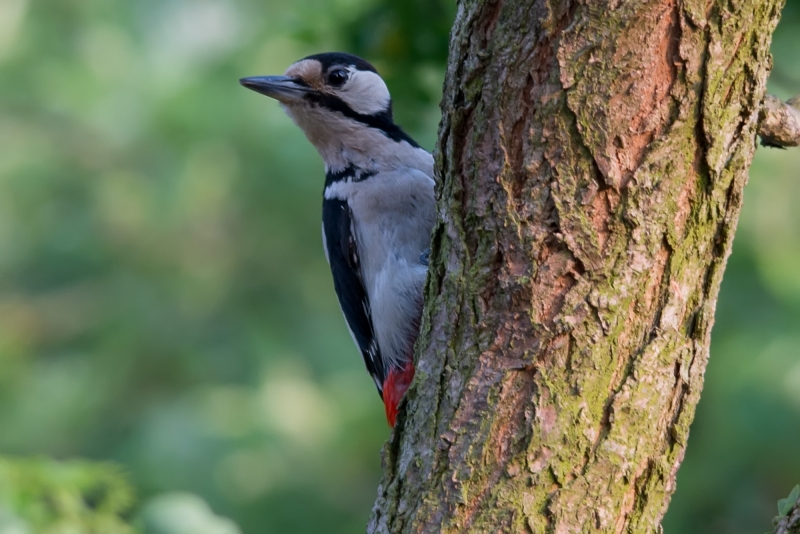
338	190
325	247
365	92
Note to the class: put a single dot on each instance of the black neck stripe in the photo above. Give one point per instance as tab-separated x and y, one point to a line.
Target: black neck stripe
352	172
380	121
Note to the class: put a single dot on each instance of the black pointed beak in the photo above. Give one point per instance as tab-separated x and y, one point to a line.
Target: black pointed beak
281	88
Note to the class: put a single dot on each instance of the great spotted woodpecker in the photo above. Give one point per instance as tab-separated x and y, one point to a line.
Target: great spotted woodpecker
378	206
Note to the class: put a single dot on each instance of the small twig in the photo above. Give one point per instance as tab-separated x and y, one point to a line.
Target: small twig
780	122
789	524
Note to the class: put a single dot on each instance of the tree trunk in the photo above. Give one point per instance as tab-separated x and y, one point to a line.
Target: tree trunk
592	157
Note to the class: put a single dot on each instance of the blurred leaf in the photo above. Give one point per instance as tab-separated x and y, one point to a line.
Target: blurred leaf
183	513
786	505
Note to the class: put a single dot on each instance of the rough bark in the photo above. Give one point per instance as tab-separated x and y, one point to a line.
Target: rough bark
592	158
780	122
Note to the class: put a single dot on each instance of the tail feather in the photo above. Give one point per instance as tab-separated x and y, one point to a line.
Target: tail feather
394	387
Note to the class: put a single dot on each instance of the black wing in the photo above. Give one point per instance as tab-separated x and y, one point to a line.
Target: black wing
344	262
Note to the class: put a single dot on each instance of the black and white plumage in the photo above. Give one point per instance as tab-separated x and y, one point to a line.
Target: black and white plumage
378	206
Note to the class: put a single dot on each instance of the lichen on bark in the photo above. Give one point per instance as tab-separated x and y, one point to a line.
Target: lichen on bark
592	158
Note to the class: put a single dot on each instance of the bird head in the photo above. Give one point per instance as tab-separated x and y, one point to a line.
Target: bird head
341	82
341	104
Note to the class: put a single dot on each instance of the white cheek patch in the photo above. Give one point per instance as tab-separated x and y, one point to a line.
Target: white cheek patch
365	93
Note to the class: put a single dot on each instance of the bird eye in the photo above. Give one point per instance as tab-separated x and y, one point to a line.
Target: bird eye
337	77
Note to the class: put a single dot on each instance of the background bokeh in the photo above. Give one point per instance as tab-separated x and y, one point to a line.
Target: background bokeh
165	303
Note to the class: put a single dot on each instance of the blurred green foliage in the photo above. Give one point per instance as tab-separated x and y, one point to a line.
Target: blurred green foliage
165	303
42	496
164	300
